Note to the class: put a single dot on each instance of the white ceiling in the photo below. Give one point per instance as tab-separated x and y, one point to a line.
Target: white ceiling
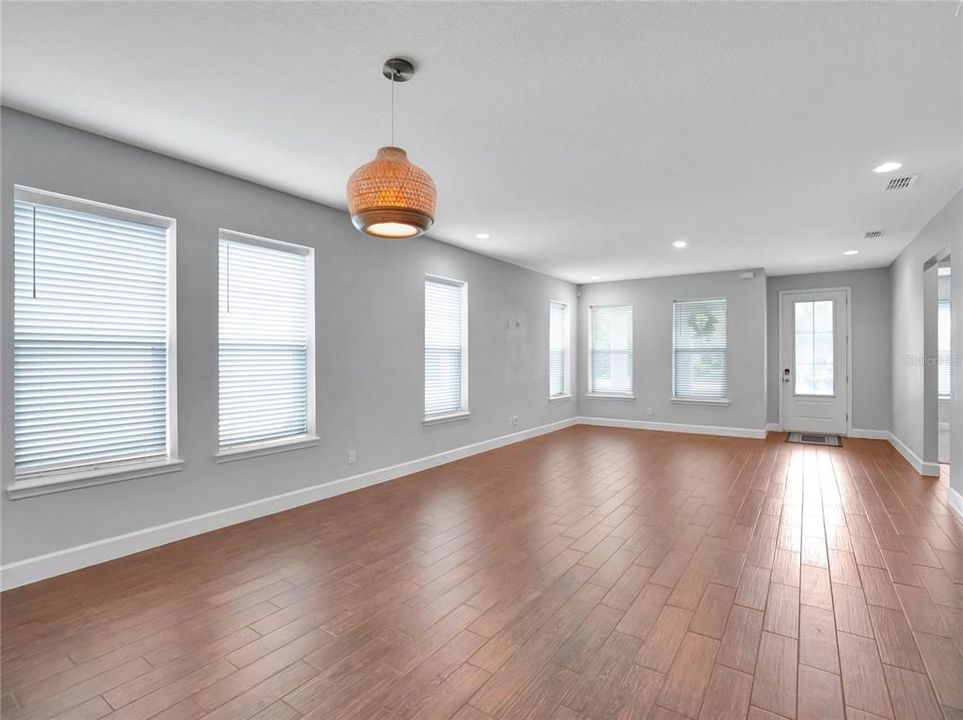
584	137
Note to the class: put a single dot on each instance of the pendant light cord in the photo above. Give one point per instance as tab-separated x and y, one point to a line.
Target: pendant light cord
392	108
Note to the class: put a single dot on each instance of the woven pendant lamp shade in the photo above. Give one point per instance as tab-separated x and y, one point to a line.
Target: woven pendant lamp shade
390	197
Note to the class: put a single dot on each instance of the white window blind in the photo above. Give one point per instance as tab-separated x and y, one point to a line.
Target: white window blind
945	363
446	351
91	335
559	334
610	354
265	335
699	349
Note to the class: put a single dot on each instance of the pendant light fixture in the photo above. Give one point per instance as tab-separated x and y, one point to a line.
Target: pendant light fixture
390	197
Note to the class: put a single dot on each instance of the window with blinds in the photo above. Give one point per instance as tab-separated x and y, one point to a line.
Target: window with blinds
559	341
265	341
699	350
944	351
446	347
93	358
610	351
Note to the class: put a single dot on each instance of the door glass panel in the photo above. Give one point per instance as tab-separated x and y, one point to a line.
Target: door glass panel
814	348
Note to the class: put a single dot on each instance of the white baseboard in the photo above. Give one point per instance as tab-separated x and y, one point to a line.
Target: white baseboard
674	427
923	468
854	433
869	434
955	501
41	567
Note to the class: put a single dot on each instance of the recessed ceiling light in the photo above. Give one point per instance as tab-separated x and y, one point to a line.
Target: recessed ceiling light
679	244
887	167
851	252
594	277
482	236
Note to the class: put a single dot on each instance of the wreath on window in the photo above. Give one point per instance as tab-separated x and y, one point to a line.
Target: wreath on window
702	323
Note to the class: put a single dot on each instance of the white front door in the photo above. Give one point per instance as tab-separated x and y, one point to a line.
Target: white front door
814	353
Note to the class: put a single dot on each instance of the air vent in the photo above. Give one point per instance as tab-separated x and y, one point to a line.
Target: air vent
871	234
901	183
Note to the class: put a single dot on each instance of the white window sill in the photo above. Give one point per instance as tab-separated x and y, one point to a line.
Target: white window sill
241	452
556	398
450	417
944	398
53	482
609	396
701	401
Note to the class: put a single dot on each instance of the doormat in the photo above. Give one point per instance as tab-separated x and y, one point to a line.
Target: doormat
814	439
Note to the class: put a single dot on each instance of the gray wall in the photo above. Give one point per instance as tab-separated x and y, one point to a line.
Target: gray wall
369	305
651	301
870	334
910	424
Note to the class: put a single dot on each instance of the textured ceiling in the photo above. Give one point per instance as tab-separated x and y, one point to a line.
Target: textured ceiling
584	137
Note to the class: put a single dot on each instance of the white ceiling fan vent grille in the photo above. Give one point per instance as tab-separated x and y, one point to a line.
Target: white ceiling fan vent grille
901	183
872	234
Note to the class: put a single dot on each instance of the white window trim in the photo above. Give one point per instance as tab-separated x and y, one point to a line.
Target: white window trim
268	447
463	410
446	418
698	399
591	394
568	364
227	453
45	482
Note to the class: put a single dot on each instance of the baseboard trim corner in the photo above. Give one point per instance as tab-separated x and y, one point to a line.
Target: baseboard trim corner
923	468
673	427
41	567
866	434
773	427
955	501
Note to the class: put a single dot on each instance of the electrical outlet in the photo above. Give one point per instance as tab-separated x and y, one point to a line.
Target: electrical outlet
648	411
514	419
352	456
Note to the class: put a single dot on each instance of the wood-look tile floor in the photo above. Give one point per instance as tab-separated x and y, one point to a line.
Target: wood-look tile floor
590	573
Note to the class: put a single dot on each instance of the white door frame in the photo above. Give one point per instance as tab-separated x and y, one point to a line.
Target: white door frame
849	348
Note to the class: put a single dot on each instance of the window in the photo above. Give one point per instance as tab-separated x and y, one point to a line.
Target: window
559	341
814	347
446	348
265	343
944	350
93	340
699	369
610	351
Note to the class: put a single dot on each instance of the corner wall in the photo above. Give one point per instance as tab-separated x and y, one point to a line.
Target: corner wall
370	339
944	232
